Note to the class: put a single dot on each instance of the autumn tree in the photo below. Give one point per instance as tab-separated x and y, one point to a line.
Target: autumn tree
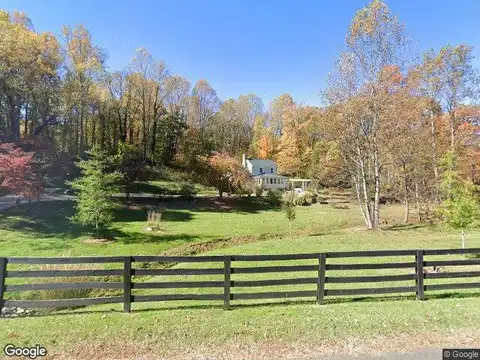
84	64
290	145
17	172
29	65
225	173
278	106
359	92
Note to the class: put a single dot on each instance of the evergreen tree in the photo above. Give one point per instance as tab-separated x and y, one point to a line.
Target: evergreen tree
289	209
96	187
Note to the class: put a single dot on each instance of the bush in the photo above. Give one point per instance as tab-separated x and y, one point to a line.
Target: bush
188	191
305	199
245	187
161	192
258	190
274	197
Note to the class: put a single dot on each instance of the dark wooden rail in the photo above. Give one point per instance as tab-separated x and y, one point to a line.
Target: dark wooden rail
318	276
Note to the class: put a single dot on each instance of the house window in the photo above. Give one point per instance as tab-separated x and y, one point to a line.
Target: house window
261	170
271	170
275	181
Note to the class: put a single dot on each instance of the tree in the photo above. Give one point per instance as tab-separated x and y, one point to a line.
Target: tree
277	109
289	209
225	173
84	64
291	146
360	92
29	65
460	81
130	164
96	187
461	207
17	172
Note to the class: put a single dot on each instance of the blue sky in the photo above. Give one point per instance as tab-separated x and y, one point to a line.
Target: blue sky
242	46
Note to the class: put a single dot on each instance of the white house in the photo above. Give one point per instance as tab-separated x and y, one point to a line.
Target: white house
264	172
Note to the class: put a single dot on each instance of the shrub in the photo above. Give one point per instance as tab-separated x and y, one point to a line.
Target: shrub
188	191
258	190
161	192
245	187
274	197
305	199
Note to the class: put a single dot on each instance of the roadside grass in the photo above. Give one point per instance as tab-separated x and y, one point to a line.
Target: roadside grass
184	333
184	330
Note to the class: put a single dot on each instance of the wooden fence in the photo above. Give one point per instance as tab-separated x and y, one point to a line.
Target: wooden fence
418	275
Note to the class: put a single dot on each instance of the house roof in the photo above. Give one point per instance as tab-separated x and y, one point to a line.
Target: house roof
261	162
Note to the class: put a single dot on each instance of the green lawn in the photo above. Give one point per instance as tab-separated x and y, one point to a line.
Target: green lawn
176	330
252	329
44	228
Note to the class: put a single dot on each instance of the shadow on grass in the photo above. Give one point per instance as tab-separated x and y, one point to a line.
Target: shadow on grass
280	304
245	205
399	227
49	218
131	215
123	237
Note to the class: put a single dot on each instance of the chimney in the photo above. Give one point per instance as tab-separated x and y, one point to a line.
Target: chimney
244	160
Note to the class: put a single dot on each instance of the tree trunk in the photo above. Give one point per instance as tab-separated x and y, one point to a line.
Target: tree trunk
14	117
406	197
433	132
25	128
81	131
366	200
357	189
376	167
417	202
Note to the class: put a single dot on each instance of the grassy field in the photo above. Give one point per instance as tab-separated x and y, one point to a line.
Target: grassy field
252	329
255	330
45	229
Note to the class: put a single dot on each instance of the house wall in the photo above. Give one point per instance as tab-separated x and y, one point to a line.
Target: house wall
272	182
255	170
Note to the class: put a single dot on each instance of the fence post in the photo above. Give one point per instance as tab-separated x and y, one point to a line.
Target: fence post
322	269
420	275
227	265
127	284
3	275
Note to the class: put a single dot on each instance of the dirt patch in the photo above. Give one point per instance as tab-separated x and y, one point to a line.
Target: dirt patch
94	241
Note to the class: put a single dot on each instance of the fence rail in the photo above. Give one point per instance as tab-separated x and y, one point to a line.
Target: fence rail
319	276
